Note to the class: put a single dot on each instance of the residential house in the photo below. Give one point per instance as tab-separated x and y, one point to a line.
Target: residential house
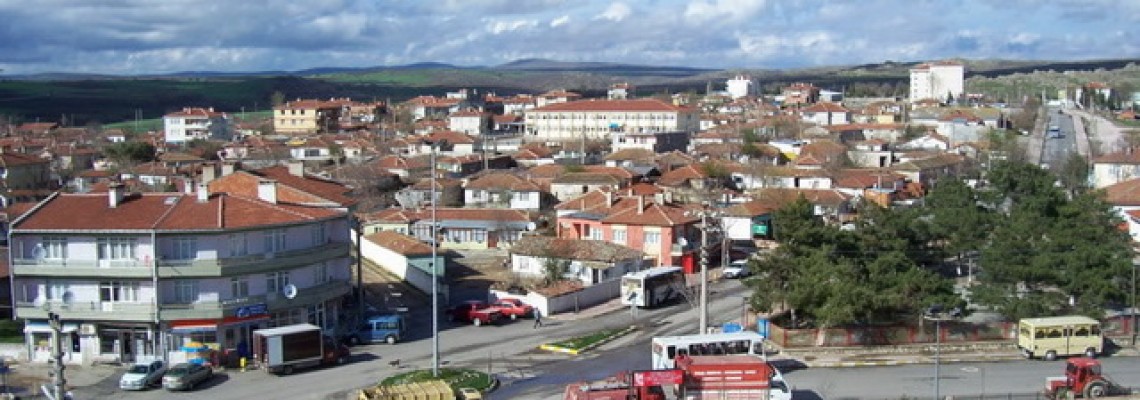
406	257
1113	168
826	114
196	123
942	81
142	275
748	221
450	143
873	153
929	141
460	228
24	178
832	205
503	190
761	176
448	193
556	97
799	93
287	183
654	141
519	104
598	119
688	184
929	170
469	122
630	156
591	262
433	107
304	117
665	232
315	150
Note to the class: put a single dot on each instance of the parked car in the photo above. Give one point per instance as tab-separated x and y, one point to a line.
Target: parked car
514	308
476	312
388	328
470	394
143	375
186	376
737	269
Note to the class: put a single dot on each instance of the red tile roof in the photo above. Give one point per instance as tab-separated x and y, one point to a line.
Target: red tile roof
290	188
165	212
399	243
638	105
505	181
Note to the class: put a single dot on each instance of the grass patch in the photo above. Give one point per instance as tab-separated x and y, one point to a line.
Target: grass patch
456	378
582	342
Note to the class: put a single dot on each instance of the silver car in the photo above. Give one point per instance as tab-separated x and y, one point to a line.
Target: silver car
143	375
186	376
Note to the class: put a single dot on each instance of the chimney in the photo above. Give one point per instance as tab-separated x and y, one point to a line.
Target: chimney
659	198
297	168
609	198
668	197
267	190
115	193
204	193
640	204
227	169
209	173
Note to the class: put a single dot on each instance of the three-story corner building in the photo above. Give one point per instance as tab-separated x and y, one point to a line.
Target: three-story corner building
145	274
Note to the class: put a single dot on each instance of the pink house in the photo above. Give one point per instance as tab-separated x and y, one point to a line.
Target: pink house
660	229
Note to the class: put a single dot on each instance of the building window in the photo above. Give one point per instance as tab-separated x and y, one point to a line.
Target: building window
652	237
185	249
118	292
57	290
619	236
239	287
523	196
321	274
320	234
596	234
275	282
54	248
274	240
239	246
116	248
185	291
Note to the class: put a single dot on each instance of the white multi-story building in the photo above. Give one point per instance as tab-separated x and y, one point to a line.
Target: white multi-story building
469	122
598	118
195	123
740	86
937	80
135	275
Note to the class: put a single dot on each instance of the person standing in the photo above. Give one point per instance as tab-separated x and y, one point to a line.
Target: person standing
537	318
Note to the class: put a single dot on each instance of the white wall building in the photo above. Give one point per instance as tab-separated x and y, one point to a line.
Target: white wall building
195	123
937	80
598	118
740	86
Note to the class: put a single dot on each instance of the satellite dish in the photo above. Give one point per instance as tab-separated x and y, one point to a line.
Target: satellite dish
683	242
290	291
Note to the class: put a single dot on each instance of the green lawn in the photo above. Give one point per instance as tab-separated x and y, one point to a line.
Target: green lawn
456	378
582	342
11	331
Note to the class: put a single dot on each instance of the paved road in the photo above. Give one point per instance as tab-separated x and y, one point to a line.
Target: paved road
1056	151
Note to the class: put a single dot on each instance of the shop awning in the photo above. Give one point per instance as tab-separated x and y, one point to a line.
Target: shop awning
43	327
193	326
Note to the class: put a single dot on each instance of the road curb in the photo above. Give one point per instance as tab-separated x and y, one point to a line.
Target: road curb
884	363
559	349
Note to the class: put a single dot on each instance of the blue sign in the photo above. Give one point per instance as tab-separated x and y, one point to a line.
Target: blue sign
730	327
762	327
252	310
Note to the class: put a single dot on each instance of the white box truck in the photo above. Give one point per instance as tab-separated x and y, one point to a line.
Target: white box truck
281	350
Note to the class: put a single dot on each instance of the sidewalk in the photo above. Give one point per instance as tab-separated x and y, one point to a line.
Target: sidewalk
904	355
25	378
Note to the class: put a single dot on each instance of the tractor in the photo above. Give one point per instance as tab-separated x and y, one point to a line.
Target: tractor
1083	378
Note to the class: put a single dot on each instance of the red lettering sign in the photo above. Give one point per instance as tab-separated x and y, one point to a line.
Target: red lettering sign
657	378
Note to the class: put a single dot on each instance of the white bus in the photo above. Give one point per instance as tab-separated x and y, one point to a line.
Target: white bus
653	286
666	348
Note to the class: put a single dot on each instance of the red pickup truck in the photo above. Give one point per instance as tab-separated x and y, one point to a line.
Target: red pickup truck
476	312
514	308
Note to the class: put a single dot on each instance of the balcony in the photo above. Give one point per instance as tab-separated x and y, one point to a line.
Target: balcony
80	268
251	264
86	310
273	301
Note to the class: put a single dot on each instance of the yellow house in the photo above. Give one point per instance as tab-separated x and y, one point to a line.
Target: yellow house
303	117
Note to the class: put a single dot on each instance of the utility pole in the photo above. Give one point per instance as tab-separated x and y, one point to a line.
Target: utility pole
705	214
58	380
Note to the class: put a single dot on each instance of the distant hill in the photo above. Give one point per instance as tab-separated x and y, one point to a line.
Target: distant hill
107	98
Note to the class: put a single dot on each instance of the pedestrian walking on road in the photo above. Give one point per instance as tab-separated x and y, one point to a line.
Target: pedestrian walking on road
537	318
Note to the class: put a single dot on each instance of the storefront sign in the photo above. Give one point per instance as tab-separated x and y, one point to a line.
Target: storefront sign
252	310
657	378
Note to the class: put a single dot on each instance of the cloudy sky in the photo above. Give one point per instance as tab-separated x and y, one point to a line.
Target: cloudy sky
160	36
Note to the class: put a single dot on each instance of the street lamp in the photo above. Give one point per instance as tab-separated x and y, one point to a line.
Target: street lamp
704	213
937	314
434	266
359	225
58	380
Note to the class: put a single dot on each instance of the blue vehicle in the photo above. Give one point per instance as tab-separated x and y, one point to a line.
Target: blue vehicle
381	328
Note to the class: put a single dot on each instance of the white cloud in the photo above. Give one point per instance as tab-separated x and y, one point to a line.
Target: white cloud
702	11
498	27
563	20
615	12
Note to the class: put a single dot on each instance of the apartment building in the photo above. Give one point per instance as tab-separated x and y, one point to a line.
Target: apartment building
939	80
597	119
192	123
145	274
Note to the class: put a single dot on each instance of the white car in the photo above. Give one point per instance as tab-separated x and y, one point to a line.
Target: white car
737	269
143	375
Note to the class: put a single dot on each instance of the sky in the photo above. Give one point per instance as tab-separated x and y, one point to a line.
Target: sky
132	37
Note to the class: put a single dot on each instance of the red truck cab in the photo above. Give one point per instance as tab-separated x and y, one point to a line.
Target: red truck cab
476	312
514	308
